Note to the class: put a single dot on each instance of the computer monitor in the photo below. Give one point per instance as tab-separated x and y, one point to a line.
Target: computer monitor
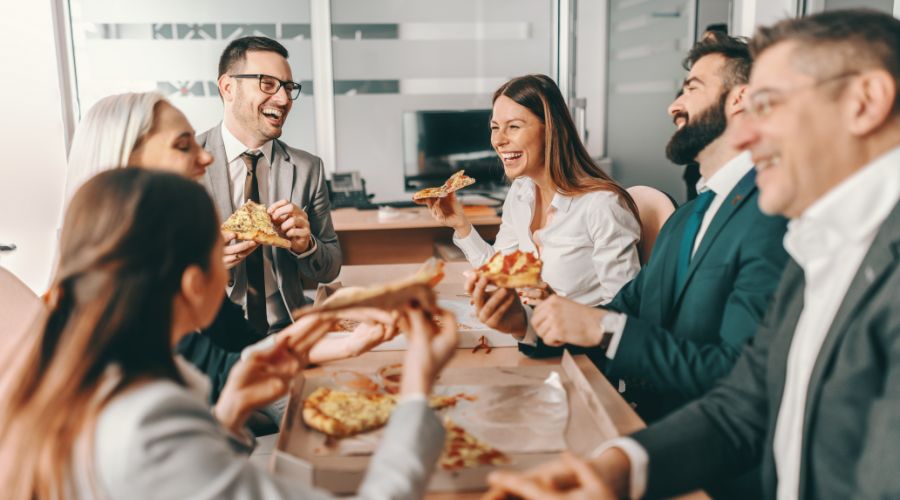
438	143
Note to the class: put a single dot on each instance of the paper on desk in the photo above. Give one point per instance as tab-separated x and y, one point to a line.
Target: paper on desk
512	418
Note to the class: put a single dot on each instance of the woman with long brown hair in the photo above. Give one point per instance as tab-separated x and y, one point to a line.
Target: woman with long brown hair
561	204
94	405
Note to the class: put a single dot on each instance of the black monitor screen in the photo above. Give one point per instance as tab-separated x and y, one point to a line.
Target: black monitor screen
438	143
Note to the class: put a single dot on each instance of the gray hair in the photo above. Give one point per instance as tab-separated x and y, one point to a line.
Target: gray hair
108	134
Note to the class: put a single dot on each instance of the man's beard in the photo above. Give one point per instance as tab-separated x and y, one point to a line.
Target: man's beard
686	143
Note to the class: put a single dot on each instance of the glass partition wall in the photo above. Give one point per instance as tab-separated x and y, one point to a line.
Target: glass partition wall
386	58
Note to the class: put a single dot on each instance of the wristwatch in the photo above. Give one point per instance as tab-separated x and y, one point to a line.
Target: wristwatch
609	325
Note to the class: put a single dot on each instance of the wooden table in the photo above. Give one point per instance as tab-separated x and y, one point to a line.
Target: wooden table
619	417
367	238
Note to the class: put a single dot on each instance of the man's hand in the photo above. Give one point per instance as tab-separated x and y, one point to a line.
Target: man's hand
499	309
569	478
236	251
449	212
293	222
561	321
256	381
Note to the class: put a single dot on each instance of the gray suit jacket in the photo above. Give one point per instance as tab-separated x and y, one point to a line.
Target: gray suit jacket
159	441
299	177
851	430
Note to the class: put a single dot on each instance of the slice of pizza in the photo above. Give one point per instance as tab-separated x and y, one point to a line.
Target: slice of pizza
456	182
390	296
344	413
252	222
513	270
463	450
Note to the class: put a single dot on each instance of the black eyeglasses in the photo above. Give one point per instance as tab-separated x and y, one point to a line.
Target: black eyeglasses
271	85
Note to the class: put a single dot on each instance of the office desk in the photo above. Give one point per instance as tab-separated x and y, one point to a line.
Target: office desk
367	238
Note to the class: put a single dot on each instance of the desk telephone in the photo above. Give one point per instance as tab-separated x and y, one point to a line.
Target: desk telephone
348	189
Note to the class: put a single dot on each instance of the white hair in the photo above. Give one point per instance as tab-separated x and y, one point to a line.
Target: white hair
108	134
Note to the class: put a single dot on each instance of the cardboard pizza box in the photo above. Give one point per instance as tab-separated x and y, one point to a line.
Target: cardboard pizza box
596	413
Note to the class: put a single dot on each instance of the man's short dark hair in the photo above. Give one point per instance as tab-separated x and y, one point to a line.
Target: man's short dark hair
736	70
838	42
236	51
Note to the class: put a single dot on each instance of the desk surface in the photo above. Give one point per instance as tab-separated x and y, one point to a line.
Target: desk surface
351	219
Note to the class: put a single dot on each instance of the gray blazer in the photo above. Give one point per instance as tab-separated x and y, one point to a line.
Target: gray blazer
296	176
159	441
851	430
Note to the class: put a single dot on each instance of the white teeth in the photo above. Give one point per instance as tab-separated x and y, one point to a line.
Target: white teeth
275	113
510	156
768	162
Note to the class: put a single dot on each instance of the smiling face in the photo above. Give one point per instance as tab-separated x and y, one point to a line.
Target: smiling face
252	115
170	145
798	140
518	137
699	112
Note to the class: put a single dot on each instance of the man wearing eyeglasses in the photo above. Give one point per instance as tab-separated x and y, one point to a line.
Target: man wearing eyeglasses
250	162
815	399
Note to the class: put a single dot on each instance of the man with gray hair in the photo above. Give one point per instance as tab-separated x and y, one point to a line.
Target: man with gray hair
815	399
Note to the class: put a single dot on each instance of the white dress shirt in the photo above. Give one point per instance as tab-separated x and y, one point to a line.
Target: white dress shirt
828	241
588	246
276	310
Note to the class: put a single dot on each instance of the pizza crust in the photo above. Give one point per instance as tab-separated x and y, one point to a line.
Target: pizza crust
456	182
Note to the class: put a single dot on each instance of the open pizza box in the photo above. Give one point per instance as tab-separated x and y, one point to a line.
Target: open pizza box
593	412
470	329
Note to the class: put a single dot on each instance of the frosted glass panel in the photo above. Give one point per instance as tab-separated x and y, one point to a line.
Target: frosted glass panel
174	47
440	55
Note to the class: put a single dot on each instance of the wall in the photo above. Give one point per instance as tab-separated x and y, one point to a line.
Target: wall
32	140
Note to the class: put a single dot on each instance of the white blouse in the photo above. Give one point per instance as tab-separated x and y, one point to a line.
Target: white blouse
589	246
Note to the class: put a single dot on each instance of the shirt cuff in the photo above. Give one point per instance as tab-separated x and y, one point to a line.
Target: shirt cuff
312	249
416	396
614	323
639	461
531	335
471	245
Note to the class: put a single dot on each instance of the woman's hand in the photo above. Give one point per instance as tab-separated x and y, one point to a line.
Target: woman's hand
264	374
376	326
449	212
428	350
499	309
256	381
534	295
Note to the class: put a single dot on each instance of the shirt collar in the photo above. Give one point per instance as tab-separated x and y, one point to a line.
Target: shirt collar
727	177
850	212
235	148
560	201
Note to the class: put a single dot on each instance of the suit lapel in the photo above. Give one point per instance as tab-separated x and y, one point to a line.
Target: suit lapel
281	178
880	259
216	175
666	254
736	198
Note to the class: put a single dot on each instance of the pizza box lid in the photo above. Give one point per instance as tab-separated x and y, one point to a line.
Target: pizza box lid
596	413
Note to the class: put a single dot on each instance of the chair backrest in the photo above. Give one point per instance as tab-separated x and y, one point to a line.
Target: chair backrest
655	208
19	307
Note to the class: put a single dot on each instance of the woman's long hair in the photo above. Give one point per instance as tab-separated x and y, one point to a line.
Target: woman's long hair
108	134
571	168
127	239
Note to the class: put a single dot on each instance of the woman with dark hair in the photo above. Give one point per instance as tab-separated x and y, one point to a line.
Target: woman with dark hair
95	406
561	204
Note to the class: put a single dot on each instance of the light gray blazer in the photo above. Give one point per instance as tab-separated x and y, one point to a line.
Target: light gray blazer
299	177
159	441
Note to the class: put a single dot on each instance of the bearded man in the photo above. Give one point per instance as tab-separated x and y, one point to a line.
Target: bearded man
681	323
